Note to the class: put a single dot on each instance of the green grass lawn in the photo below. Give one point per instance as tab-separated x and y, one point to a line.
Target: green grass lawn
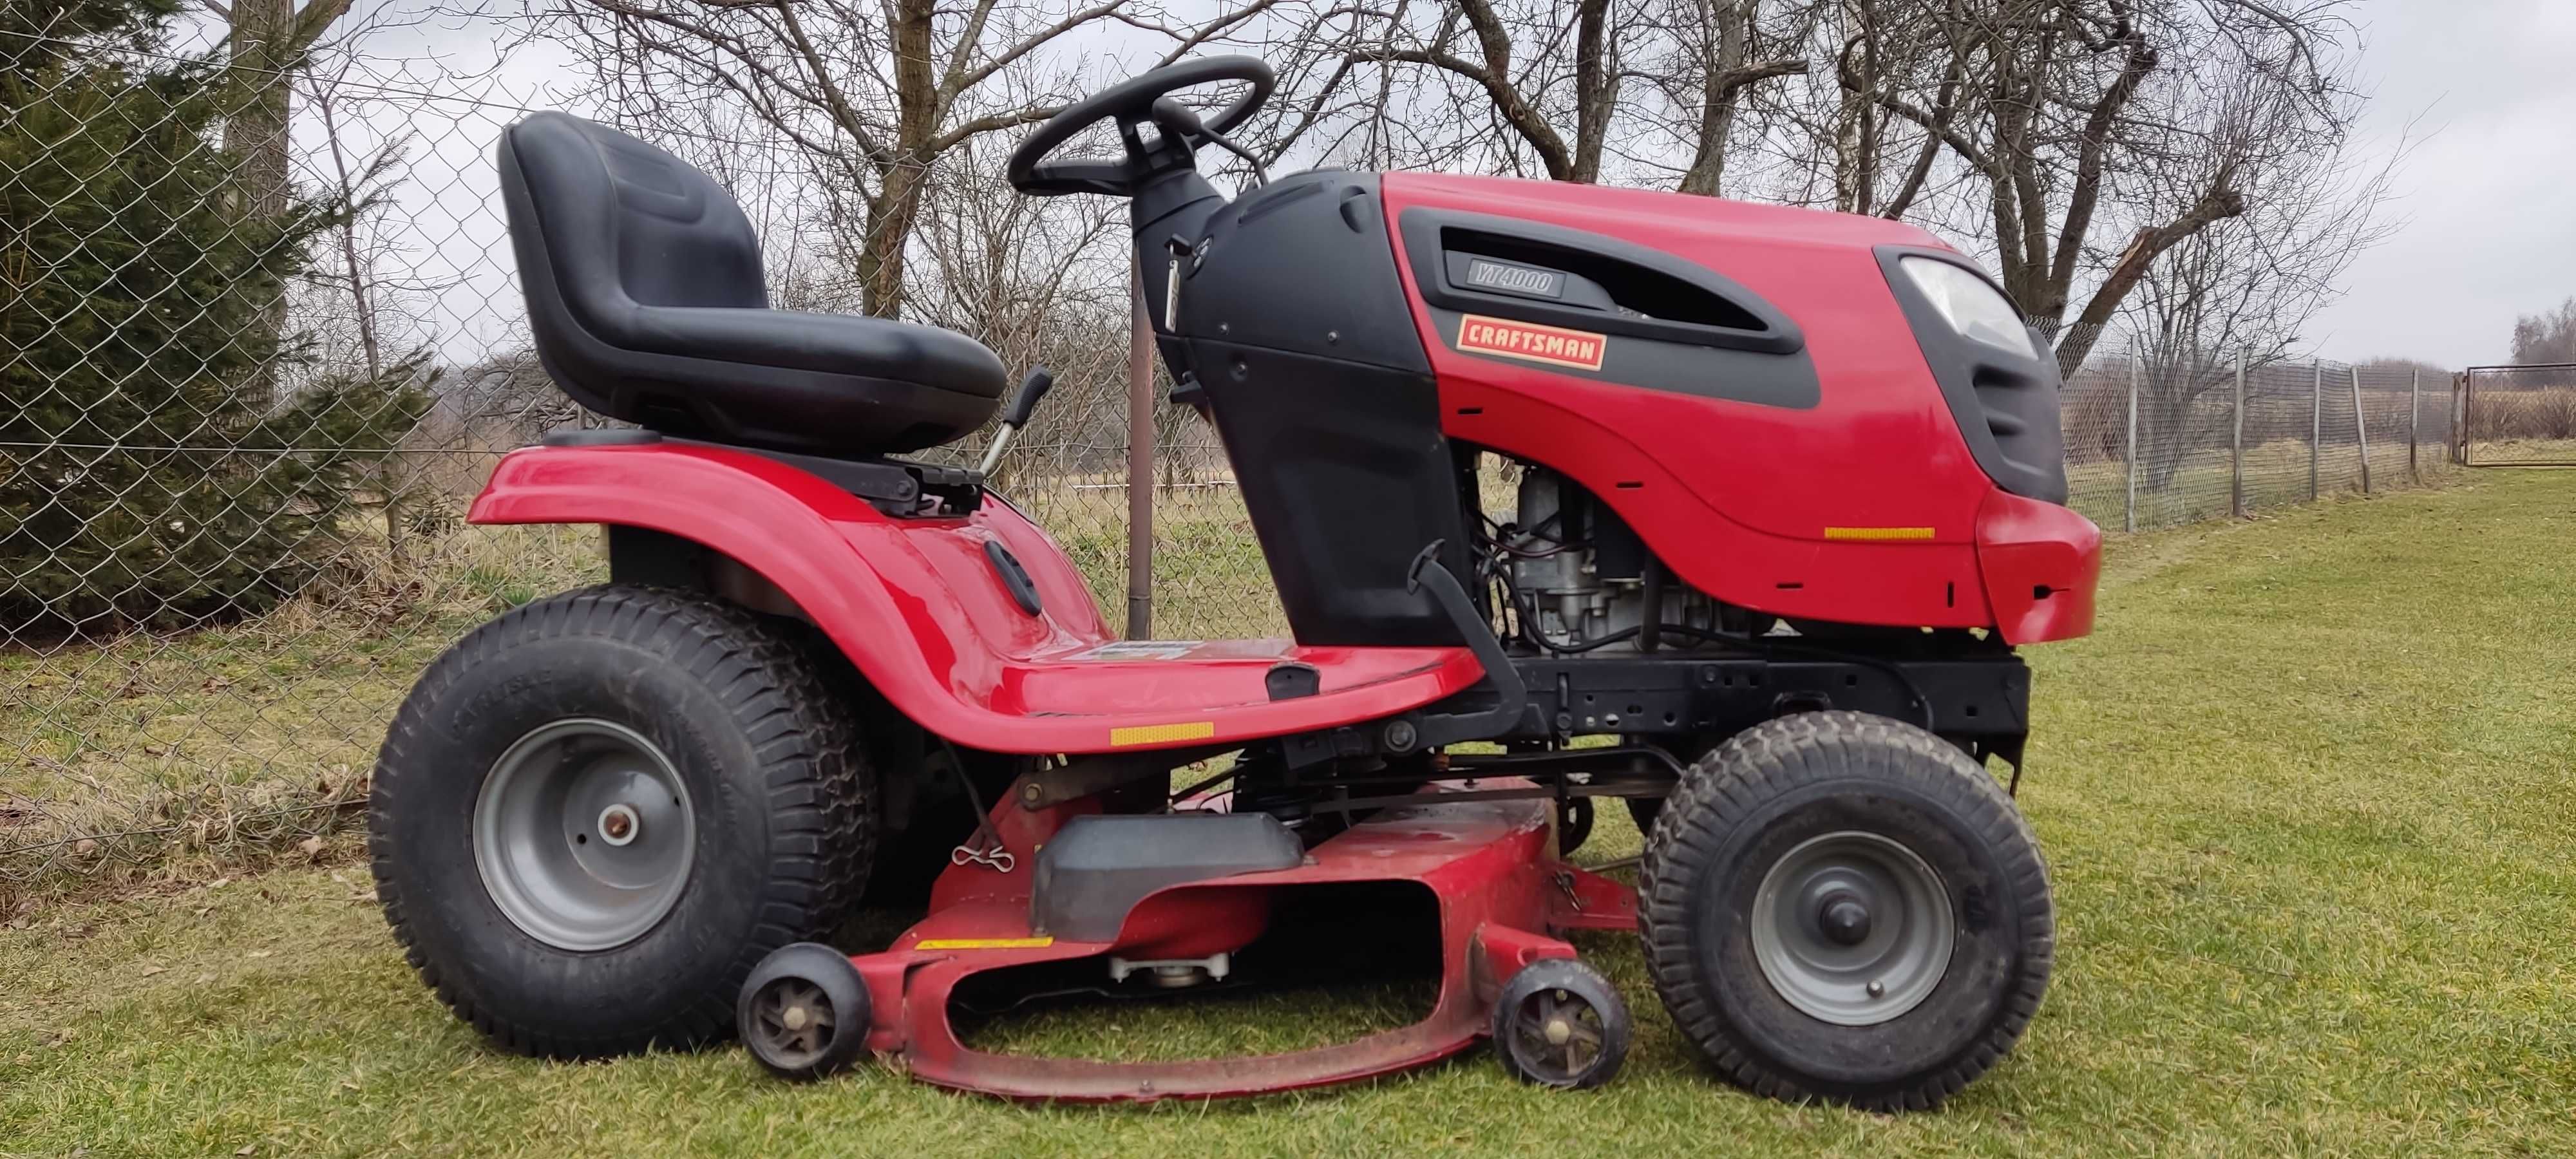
2307	797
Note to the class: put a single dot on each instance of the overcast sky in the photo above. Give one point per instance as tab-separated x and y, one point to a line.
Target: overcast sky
2483	92
2488	196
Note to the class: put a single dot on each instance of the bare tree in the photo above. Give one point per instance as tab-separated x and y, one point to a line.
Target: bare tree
2245	287
267	41
2077	141
1548	88
873	95
1043	282
364	295
2074	116
360	186
2545	337
1718	53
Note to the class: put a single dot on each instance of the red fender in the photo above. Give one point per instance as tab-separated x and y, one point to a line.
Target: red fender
918	607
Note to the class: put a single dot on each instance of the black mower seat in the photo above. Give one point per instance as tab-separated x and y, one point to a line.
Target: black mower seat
648	302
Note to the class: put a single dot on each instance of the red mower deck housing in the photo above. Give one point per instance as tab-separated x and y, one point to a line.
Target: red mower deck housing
1503	901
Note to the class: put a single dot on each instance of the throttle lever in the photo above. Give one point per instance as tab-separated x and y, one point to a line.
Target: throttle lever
1032	388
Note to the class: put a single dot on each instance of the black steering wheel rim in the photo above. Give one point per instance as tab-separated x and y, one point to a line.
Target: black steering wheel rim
1130	102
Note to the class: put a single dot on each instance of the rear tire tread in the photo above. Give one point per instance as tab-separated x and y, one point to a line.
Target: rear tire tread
818	784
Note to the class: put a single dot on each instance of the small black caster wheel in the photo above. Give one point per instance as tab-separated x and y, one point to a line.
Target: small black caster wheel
1559	1023
804	1012
1573	824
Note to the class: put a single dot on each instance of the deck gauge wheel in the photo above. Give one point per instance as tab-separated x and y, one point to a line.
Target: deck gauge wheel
804	1012
1559	1023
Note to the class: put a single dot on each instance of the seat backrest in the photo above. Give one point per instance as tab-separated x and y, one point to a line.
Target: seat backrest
647	303
619	223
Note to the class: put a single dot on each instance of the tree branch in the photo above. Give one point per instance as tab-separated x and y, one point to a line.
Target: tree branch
2221	202
960	82
1944	106
2085	192
991	122
1938	125
1507	102
1214	29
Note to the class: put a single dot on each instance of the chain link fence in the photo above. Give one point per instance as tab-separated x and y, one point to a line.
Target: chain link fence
260	344
2157	437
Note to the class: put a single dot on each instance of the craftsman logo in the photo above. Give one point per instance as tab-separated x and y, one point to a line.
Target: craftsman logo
1557	347
1485	275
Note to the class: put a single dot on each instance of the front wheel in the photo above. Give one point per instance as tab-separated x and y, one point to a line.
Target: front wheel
594	814
1840	906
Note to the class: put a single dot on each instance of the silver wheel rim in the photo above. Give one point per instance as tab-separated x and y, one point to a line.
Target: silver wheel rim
583	834
1834	968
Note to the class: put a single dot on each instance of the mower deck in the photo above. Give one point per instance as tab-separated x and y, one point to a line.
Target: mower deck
1502	898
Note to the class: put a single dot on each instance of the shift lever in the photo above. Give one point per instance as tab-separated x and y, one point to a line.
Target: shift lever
1032	388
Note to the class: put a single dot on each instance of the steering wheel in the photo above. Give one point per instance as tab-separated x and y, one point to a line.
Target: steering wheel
1130	102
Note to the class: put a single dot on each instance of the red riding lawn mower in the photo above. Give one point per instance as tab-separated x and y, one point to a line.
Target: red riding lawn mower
1789	496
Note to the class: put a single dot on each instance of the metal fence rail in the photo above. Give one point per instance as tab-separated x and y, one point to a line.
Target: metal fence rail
253	367
2518	416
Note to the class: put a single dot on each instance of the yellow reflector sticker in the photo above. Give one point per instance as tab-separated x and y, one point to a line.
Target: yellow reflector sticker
1878	533
1159	733
983	943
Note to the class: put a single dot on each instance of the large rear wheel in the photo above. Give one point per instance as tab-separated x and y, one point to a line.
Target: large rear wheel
596	813
1840	906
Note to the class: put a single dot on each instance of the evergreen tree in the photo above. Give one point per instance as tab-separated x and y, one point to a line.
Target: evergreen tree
142	482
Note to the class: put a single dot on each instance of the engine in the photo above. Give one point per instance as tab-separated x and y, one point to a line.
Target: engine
1581	580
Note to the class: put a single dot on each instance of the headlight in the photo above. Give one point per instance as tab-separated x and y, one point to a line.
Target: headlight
1972	307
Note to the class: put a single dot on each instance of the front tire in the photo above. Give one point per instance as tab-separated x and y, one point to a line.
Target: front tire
1843	907
596	813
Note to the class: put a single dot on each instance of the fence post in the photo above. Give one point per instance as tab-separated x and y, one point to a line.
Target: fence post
2129	510
2360	429
2317	419
2460	418
2236	443
1140	469
2414	422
